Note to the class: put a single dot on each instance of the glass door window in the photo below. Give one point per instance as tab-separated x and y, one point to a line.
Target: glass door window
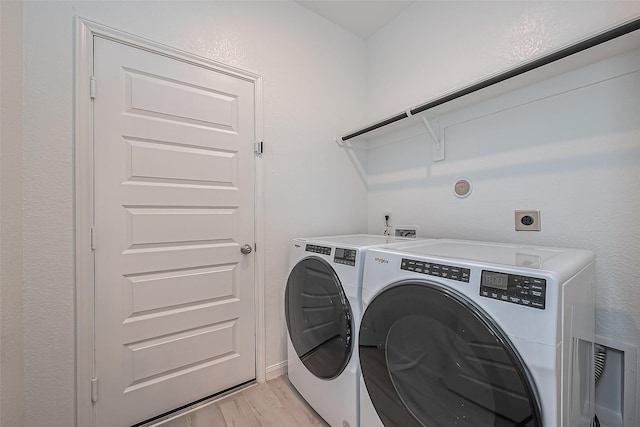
430	357
319	318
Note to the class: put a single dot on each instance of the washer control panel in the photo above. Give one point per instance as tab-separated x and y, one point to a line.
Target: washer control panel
523	290
438	270
323	250
345	256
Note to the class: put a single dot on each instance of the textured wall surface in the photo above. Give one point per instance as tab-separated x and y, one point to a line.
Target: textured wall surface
436	47
310	184
573	154
11	356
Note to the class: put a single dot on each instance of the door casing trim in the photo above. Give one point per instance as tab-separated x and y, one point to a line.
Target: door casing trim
85	31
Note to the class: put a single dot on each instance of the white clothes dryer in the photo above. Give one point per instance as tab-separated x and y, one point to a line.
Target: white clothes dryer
323	309
461	333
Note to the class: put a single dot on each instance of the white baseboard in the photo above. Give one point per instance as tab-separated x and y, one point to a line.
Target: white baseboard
277	370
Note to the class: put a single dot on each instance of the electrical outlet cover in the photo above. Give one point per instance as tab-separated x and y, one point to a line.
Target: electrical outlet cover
527	220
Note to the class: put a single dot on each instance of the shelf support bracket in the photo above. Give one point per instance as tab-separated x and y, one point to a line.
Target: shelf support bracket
438	143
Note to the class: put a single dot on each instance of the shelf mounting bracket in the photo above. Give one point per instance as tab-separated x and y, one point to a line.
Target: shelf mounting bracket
438	142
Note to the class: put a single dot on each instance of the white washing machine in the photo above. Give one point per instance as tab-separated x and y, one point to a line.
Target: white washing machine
461	333
323	309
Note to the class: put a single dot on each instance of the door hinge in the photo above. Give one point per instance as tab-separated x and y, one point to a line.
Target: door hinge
92	233
258	147
94	389
92	87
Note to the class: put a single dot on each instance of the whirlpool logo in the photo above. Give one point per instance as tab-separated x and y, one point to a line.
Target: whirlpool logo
381	260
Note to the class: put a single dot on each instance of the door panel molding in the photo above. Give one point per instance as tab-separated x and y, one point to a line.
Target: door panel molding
85	31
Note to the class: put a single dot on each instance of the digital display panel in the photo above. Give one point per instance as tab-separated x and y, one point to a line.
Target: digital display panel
492	279
345	256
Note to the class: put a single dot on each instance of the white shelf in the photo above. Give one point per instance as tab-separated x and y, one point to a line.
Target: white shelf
612	42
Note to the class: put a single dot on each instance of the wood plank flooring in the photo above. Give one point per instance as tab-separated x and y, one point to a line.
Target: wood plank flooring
275	403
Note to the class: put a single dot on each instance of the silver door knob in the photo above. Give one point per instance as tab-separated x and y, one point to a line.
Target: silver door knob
246	249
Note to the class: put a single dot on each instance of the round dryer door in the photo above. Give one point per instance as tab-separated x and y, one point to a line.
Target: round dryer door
430	357
318	318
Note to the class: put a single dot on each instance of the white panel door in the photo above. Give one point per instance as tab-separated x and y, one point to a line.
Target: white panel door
174	202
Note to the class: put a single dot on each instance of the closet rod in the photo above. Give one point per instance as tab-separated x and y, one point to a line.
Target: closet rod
377	125
530	66
524	68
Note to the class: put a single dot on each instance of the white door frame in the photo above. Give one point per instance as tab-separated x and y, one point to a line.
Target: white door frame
84	197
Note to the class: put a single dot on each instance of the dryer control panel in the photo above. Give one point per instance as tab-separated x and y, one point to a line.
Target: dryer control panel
323	250
345	256
522	290
438	270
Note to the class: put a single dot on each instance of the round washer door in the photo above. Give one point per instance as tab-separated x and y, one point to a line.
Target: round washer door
430	357
319	318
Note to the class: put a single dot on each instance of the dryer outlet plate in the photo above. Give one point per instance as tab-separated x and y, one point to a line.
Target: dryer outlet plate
527	220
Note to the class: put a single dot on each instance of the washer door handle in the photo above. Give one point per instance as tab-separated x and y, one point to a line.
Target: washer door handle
246	249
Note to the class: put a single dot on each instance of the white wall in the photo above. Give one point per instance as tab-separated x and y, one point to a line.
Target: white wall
11	366
434	47
313	87
574	155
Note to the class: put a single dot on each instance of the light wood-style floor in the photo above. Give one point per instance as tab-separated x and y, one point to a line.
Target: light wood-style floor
275	403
